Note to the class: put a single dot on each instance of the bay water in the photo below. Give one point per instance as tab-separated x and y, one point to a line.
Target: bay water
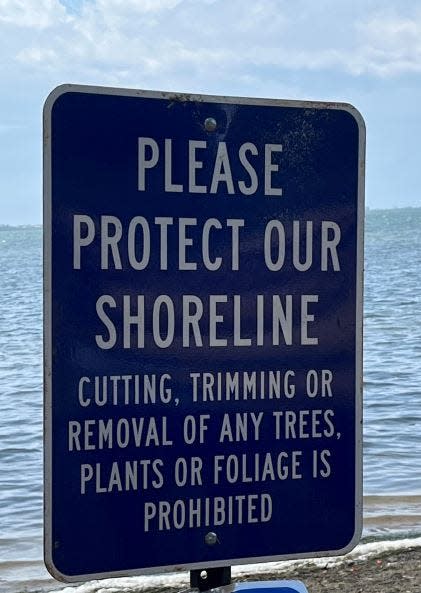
392	396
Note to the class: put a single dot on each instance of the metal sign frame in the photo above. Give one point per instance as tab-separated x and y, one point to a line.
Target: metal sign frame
48	345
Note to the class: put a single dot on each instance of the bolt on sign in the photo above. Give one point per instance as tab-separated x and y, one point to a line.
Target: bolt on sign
203	330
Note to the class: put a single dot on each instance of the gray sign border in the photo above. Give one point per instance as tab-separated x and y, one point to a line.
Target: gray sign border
47	225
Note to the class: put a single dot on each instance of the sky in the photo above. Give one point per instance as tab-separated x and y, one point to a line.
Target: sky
363	52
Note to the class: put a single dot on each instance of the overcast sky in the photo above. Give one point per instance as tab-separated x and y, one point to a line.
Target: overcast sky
363	52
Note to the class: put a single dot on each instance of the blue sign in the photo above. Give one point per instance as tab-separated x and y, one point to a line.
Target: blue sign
203	327
265	587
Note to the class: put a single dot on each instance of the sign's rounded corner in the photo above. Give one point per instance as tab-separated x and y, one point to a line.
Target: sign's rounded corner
356	115
354	541
53	570
55	94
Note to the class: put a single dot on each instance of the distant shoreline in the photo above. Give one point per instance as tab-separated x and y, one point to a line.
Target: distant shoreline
19	227
36	225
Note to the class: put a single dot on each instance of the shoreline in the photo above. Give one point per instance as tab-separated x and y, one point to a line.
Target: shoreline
375	567
397	571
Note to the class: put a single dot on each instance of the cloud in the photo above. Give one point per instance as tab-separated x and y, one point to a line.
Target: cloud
30	14
195	42
363	51
37	55
10	127
391	45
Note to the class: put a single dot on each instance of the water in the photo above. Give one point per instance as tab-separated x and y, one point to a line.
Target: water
393	351
392	396
20	404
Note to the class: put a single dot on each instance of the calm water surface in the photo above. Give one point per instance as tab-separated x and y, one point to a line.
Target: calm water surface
392	390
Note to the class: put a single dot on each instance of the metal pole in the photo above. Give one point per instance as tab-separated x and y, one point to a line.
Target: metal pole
209	578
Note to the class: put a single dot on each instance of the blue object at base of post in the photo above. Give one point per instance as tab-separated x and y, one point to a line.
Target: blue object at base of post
265	586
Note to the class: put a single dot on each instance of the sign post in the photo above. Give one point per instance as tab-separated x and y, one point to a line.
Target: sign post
203	330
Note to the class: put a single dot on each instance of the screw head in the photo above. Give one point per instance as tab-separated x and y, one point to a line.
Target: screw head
211	538
210	124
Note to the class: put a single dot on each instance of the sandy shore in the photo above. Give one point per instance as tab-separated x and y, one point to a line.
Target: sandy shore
392	571
389	572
